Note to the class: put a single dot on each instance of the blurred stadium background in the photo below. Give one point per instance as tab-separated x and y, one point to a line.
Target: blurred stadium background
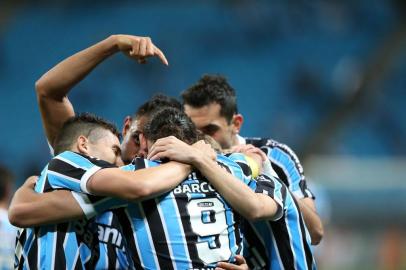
327	78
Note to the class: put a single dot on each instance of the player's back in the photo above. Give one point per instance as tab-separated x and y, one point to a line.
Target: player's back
191	227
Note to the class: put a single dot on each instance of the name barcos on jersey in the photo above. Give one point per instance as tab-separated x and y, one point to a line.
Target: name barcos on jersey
194	187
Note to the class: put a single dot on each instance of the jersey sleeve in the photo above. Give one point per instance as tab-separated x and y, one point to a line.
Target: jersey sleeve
238	166
288	168
271	187
93	205
71	171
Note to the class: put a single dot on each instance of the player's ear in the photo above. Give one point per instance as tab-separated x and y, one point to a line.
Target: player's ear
126	125
237	121
82	144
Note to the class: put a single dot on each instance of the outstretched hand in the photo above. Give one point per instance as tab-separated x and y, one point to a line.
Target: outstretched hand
139	48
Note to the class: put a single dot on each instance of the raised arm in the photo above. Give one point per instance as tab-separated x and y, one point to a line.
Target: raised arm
53	87
253	206
28	208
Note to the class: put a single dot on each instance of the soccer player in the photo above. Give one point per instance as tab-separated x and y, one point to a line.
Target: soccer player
82	141
52	89
192	226
211	104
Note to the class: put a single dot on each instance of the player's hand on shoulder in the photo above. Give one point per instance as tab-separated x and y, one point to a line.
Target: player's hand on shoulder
139	48
253	152
206	149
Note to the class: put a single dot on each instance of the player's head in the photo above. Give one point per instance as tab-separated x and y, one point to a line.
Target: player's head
134	126
90	135
212	105
6	184
168	122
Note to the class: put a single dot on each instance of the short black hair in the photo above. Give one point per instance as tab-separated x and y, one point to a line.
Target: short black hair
171	122
212	89
157	102
86	124
6	180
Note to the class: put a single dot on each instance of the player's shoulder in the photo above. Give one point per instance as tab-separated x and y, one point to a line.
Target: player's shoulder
271	180
140	163
66	158
268	145
229	160
237	162
77	160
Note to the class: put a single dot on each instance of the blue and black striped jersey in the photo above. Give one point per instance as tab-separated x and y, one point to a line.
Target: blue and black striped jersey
191	227
286	164
96	243
284	243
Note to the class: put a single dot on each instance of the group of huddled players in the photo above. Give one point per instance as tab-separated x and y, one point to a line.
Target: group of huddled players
167	197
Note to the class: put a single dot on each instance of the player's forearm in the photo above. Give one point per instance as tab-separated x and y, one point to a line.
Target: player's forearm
57	82
140	184
312	220
237	194
29	208
52	88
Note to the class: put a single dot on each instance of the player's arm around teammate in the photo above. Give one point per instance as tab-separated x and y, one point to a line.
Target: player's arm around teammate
53	87
101	178
249	204
29	208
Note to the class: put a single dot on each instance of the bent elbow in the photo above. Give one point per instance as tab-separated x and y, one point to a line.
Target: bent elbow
317	235
16	217
253	216
254	213
138	193
40	88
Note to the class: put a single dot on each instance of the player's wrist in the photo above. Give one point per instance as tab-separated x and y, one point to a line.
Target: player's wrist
113	43
199	159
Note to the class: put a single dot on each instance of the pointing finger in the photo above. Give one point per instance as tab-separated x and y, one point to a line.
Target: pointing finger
161	56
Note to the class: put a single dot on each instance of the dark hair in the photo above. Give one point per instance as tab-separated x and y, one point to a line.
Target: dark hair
86	124
157	102
6	179
212	89
171	122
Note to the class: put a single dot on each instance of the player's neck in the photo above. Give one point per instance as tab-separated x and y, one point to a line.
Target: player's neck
237	140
